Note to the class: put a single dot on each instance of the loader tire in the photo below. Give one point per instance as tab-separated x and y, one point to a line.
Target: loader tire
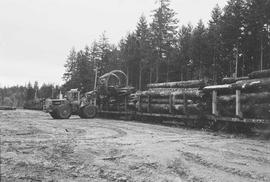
88	111
53	115
63	112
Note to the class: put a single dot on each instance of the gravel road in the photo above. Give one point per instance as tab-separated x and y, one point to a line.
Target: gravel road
34	147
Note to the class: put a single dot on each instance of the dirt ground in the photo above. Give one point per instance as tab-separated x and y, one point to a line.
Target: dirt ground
34	147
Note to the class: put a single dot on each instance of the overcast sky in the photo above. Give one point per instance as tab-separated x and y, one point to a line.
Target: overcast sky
36	35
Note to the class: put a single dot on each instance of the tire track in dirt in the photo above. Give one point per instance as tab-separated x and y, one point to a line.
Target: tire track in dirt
119	133
178	166
82	130
236	155
199	160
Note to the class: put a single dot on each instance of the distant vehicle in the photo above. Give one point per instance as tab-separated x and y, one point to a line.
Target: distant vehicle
34	104
7	108
73	104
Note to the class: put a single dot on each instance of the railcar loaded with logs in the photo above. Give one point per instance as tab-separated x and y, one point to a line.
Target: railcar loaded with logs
237	102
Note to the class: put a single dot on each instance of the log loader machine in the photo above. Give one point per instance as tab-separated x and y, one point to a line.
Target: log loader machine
85	106
73	104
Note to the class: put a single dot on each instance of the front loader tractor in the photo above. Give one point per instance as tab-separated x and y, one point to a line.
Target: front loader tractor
73	104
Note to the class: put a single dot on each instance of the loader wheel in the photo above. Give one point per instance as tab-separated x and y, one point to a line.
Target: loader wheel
88	112
53	115
63	112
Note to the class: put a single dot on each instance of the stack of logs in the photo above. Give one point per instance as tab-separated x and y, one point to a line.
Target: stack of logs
116	99
244	97
184	97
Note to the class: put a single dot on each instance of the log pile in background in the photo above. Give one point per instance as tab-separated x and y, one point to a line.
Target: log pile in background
254	99
184	97
34	104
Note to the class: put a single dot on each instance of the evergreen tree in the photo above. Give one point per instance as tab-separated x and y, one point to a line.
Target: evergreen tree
144	47
199	51
105	49
184	51
30	92
215	43
129	49
257	21
45	91
164	32
232	28
70	65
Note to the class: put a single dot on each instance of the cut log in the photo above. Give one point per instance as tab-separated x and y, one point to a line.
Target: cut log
230	80
225	89
253	85
217	87
155	108
249	98
262	84
177	109
181	84
192	92
259	74
166	101
171	89
190	109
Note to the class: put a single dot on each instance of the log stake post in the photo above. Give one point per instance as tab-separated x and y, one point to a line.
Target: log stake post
118	106
140	103
214	103
107	104
173	100
149	104
238	111
171	103
125	103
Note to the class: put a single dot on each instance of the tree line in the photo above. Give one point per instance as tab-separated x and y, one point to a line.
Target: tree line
17	96
233	43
